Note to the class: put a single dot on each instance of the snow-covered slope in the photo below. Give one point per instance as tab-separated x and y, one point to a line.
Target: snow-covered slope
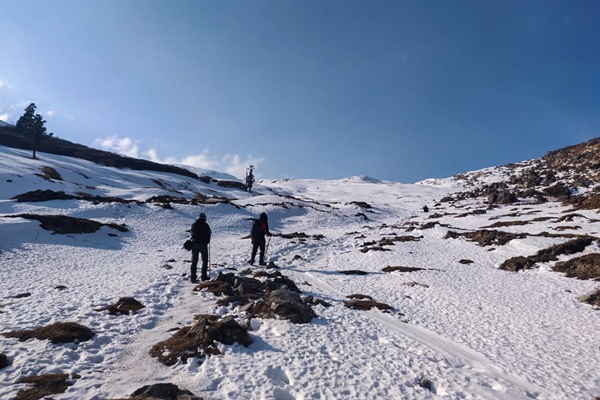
459	327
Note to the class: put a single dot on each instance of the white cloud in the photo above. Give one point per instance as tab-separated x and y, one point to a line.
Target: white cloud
233	165
230	163
126	146
5	84
4	117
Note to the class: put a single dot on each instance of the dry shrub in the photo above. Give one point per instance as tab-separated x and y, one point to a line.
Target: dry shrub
584	267
43	386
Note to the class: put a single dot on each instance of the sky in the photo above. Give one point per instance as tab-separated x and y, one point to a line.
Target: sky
395	90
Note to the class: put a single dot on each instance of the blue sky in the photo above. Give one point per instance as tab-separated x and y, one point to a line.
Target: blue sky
397	90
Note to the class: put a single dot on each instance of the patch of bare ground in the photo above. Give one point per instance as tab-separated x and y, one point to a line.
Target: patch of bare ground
501	224
486	237
49	174
545	255
401	269
62	224
60	332
42	386
387	241
567	248
299	235
584	267
591	298
353	272
589	202
365	305
566	228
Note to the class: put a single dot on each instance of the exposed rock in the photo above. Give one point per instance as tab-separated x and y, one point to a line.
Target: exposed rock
502	197
232	184
584	267
310	300
126	306
199	340
359	297
465	261
163	391
3	361
60	332
288	305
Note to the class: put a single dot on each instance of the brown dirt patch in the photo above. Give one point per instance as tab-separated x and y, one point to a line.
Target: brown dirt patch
60	332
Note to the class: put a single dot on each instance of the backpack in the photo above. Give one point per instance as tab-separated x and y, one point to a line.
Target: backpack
256	230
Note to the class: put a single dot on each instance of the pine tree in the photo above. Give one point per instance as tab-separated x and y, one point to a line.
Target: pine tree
250	177
31	125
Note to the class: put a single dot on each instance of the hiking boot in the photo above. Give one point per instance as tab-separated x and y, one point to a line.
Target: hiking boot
262	263
194	280
251	262
204	278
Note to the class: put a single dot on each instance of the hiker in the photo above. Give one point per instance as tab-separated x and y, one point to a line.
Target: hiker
200	240
260	228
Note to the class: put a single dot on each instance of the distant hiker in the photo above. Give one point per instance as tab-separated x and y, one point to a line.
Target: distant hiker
200	240
260	229
425	209
250	177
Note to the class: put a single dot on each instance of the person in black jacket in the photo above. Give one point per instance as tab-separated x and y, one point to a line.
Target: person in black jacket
259	230
200	240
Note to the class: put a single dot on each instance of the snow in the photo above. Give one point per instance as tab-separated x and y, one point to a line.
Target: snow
474	331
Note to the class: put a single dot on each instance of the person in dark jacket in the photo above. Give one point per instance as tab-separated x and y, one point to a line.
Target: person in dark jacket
260	229
200	240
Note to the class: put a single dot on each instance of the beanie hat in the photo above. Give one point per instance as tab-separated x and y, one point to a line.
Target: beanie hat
203	216
263	217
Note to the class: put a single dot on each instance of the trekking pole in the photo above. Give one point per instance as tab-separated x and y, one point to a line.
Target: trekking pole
208	266
267	247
